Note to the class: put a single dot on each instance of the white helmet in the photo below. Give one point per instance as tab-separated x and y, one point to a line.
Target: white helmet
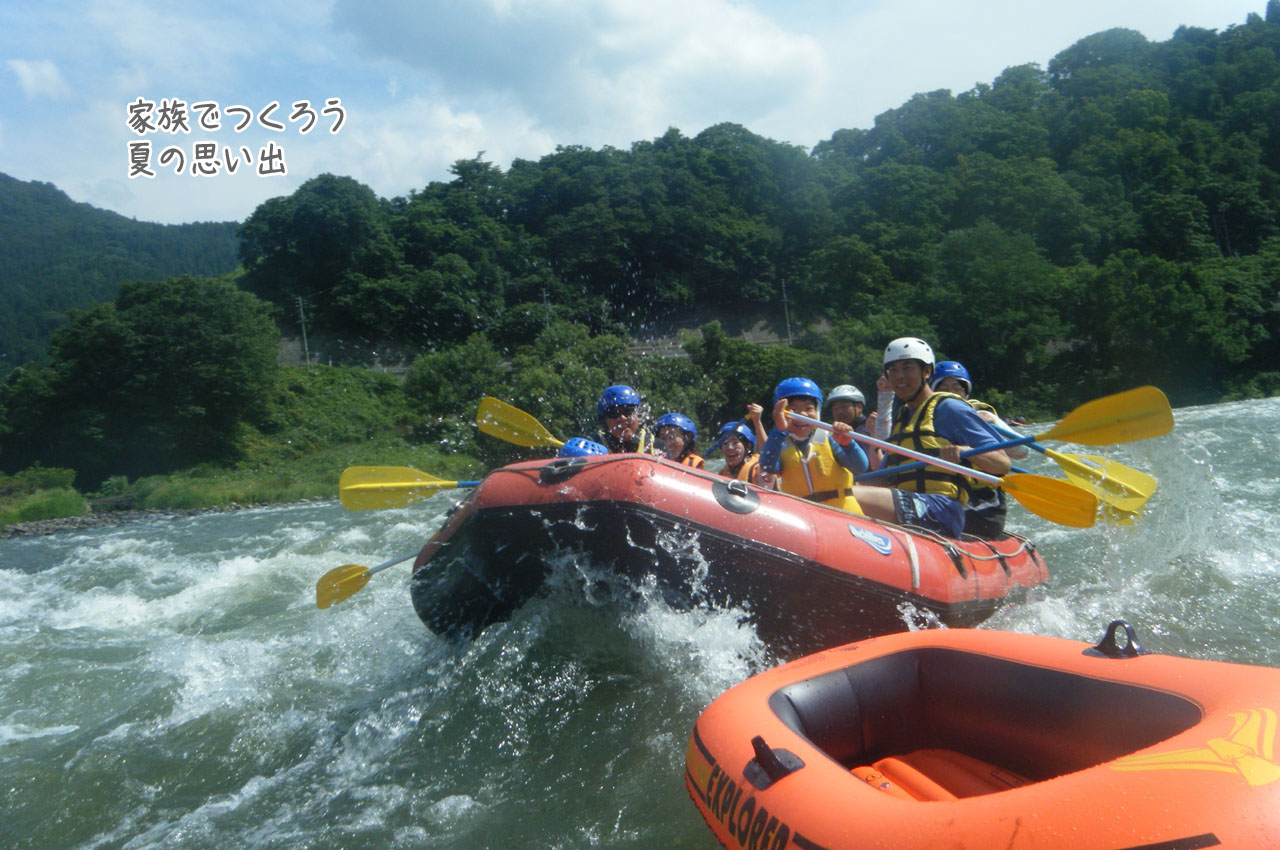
908	348
847	392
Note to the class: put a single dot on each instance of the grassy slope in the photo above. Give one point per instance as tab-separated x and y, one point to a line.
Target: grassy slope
320	421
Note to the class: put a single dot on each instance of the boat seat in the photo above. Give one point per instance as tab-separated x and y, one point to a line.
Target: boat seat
936	774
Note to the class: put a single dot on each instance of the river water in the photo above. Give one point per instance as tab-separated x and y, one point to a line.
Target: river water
170	683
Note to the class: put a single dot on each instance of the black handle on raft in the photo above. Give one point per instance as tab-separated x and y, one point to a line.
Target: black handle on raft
1109	648
769	765
561	469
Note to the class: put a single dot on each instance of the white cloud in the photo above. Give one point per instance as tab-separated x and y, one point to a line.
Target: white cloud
406	146
880	54
596	70
39	78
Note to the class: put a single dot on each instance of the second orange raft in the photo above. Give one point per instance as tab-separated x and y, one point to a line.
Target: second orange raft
963	738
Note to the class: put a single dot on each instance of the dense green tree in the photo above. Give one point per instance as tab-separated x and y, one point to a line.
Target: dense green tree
560	376
319	244
1027	196
1178	325
994	300
990	215
845	275
160	378
452	381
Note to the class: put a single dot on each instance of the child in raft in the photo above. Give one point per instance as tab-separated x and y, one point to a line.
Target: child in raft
680	437
738	445
811	463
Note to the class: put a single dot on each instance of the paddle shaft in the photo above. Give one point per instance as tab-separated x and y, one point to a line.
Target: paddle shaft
1071	464
1057	457
392	562
912	453
907	467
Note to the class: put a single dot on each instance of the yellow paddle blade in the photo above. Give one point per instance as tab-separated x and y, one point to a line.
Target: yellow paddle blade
340	583
1053	499
499	419
1120	487
1135	414
364	488
1116	516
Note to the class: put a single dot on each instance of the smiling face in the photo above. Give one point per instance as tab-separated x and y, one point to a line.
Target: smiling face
622	421
674	438
805	406
843	410
906	377
734	450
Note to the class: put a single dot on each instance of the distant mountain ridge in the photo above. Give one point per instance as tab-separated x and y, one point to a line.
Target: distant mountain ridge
57	255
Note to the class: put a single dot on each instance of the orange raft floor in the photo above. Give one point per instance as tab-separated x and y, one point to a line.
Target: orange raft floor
961	738
811	576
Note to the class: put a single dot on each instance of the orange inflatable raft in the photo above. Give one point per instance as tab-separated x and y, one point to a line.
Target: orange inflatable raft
961	738
811	576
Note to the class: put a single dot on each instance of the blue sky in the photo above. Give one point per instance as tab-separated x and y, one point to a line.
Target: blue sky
423	84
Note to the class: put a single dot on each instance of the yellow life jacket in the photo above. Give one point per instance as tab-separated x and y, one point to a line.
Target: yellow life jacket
819	477
981	406
914	430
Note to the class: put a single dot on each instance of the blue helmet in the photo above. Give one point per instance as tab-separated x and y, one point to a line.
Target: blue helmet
684	423
797	386
614	396
951	369
581	447
739	429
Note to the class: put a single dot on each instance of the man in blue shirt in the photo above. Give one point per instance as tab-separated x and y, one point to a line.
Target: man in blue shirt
939	424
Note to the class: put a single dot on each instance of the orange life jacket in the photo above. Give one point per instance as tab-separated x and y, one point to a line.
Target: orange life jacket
749	471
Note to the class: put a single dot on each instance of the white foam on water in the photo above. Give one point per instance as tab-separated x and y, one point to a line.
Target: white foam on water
454	808
13	733
209	588
707	649
17	599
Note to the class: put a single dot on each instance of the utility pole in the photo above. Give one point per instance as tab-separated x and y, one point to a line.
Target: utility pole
302	320
786	309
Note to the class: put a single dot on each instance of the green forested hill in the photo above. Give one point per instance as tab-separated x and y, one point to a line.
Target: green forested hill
1109	220
56	255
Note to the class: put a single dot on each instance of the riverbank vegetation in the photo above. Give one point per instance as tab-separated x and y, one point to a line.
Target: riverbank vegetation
315	422
1067	232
